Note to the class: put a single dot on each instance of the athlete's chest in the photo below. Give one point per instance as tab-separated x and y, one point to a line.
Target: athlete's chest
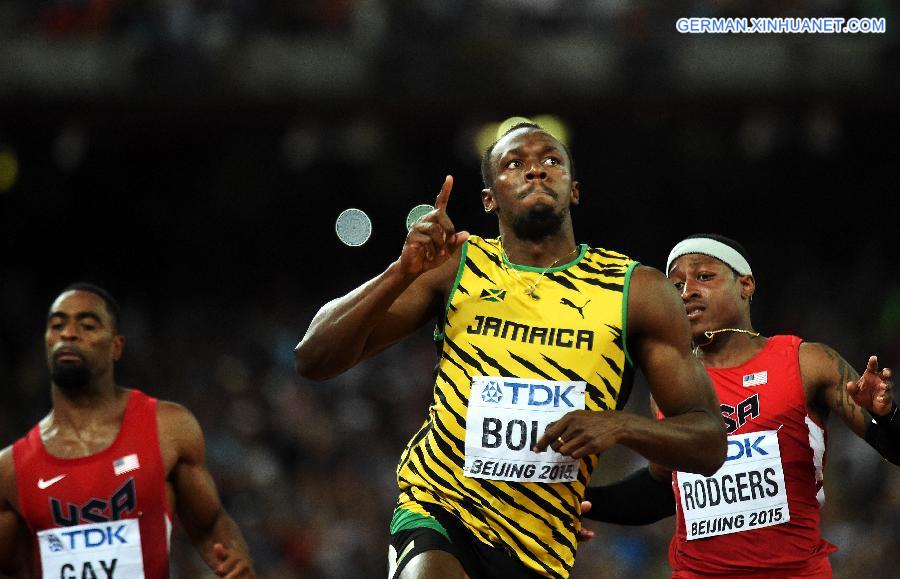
766	392
106	487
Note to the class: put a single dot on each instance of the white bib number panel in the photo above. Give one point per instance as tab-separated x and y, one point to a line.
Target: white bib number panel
747	493
102	550
506	417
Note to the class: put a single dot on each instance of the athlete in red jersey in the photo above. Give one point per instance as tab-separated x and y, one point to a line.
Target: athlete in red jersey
758	516
90	491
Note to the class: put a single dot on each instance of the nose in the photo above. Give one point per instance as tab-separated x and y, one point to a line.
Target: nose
69	331
689	290
536	171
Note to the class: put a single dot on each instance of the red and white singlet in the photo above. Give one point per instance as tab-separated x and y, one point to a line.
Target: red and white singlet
103	515
759	514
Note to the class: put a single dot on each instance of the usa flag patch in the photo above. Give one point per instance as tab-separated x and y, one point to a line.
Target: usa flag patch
755	379
125	464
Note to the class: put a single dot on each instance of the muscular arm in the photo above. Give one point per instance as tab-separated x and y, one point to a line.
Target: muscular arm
367	320
377	314
825	375
865	404
198	505
15	545
692	436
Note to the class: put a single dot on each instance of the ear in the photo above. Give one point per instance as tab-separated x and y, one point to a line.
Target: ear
748	287
487	199
576	193
118	347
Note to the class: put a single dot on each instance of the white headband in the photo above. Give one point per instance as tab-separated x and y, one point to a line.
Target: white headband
712	248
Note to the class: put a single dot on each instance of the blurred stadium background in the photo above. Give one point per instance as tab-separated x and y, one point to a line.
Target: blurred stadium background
192	156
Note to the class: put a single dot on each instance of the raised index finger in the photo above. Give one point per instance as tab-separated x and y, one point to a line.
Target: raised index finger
444	196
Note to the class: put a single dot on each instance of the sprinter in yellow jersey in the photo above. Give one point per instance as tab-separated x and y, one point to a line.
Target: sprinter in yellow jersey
535	331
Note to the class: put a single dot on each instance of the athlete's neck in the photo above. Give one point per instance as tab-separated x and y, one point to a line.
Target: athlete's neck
75	431
726	349
559	248
90	405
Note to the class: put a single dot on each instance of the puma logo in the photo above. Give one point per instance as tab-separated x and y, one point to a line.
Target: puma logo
566	302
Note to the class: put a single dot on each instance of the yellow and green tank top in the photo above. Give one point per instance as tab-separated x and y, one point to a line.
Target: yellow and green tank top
575	331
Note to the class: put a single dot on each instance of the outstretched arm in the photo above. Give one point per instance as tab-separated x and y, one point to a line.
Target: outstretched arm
865	403
691	437
377	314
214	533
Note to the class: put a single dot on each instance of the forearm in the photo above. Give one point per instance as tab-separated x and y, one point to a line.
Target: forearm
690	442
883	434
224	531
337	337
639	499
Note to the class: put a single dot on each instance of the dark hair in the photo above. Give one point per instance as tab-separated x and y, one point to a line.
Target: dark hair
727	241
112	306
487	173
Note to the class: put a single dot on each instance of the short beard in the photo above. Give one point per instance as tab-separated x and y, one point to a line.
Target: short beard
71	378
540	222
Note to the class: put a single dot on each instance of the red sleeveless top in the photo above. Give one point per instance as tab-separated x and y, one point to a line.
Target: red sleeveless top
760	512
124	481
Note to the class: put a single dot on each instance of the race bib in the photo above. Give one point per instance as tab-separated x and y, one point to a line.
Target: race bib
746	493
506	418
102	550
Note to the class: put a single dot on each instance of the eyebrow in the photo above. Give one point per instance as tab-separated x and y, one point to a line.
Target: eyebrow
79	316
518	151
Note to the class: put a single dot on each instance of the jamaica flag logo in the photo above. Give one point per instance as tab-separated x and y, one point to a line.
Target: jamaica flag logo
493	295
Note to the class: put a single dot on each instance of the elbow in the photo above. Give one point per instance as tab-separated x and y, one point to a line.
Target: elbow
305	366
712	466
311	366
718	446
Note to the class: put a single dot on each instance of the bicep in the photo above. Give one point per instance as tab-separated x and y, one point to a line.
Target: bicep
661	340
420	303
826	373
196	498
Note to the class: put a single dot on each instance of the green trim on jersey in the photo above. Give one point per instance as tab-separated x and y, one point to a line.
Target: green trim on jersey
404	520
439	329
625	311
556	268
571	333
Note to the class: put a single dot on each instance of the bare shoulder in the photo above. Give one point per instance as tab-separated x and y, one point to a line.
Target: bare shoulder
821	366
648	284
653	301
178	426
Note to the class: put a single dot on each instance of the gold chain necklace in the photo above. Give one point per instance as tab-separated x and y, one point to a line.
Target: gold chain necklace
530	290
711	334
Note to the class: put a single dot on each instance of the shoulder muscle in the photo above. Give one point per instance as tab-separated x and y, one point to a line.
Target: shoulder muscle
178	427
